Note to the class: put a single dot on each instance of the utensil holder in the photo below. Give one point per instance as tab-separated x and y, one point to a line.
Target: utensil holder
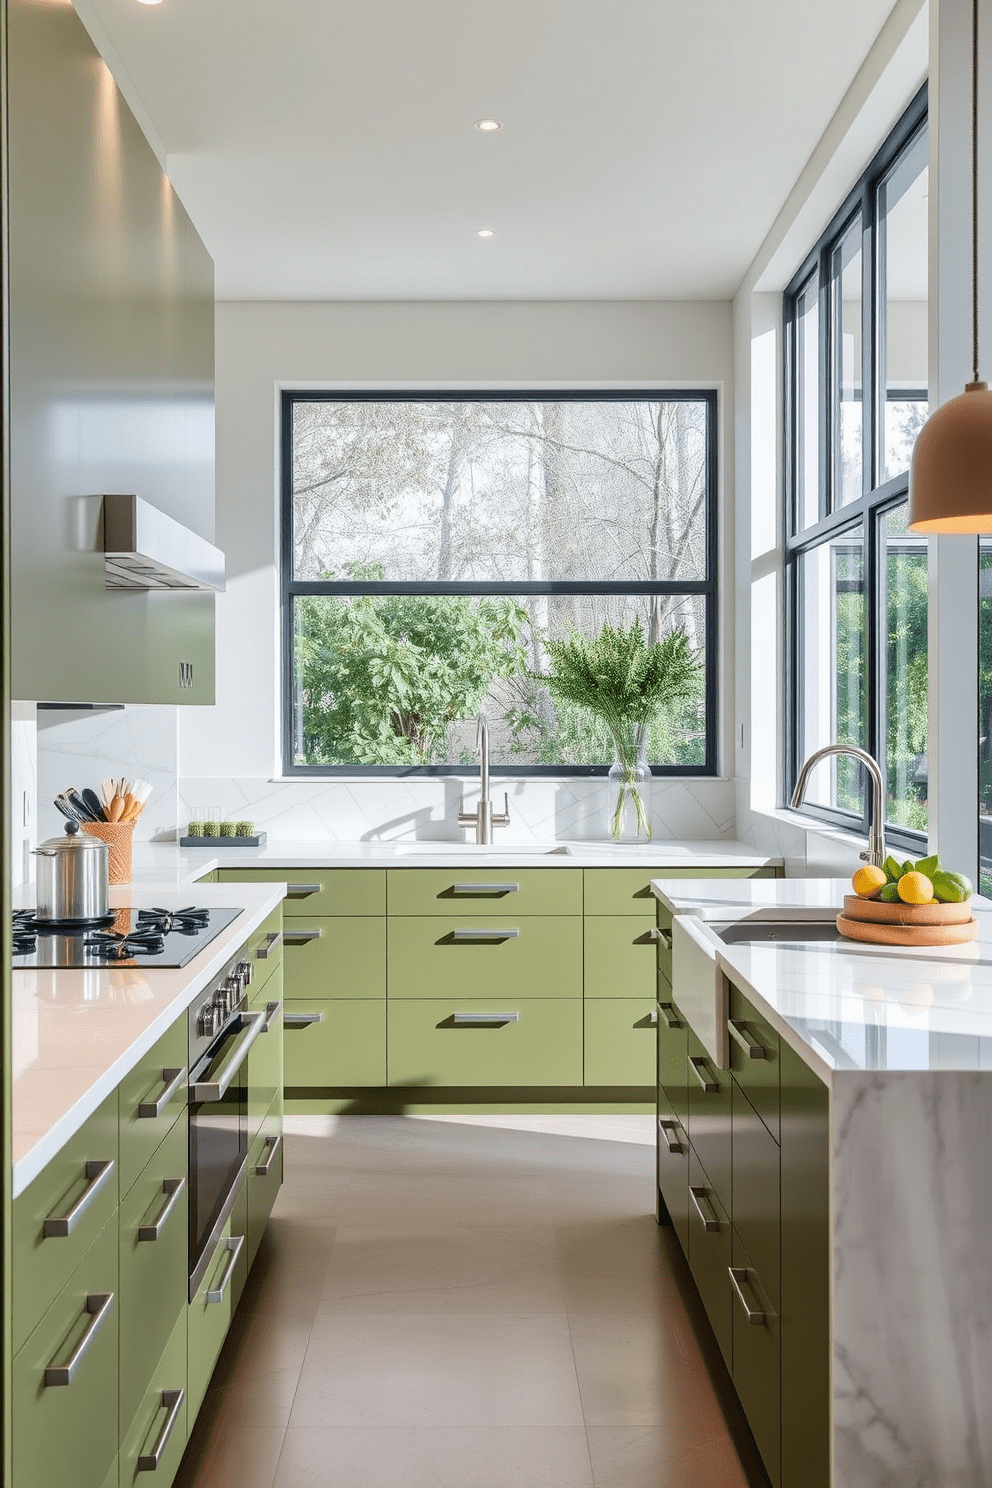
117	836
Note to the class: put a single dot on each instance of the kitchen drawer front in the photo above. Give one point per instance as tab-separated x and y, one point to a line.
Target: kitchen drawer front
610	891
673	1053
756	1067
710	1118
710	1255
265	1058
347	1046
159	1415
208	1322
265	1174
757	1191
466	955
264	951
619	956
757	1366
673	1172
67	1434
427	1046
325	957
620	1041
320	891
158	1082
76	1176
153	1272
663	943
491	891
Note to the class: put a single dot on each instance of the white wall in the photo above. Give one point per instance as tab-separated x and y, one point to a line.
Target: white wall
263	347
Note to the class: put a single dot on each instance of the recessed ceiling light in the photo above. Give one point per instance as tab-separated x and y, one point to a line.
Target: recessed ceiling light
484	232
487	126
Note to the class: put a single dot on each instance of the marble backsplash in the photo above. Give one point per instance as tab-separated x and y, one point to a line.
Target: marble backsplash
82	748
23	790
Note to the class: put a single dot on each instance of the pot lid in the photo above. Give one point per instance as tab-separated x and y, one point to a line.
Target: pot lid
72	840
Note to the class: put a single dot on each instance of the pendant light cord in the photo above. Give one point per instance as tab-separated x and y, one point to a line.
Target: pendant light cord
974	185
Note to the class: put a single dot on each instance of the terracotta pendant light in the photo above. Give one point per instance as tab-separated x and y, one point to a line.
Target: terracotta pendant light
950	476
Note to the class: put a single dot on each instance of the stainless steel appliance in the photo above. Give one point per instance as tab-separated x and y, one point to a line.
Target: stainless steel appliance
72	877
221	1033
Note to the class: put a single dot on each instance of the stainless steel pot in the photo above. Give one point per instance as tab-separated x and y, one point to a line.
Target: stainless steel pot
72	876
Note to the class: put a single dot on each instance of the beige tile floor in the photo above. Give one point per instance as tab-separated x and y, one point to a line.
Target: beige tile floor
454	1304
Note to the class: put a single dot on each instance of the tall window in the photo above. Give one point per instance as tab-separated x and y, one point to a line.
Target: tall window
432	545
856	397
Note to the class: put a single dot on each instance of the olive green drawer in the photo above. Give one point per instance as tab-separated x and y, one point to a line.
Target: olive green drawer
265	1173
264	950
153	1265
320	891
470	955
757	1193
673	1051
673	1172
501	1041
755	1059
332	1042
207	1321
76	1181
159	1428
620	956
513	891
621	1041
265	1065
619	891
757	1363
268	991
325	957
709	1091
152	1098
68	1433
710	1255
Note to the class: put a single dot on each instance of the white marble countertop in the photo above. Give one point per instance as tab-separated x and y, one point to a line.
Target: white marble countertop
167	863
76	1034
733	898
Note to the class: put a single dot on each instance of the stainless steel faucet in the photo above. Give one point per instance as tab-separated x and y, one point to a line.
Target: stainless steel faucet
483	819
876	834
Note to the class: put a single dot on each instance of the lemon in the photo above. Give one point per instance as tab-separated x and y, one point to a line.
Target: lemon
868	881
915	888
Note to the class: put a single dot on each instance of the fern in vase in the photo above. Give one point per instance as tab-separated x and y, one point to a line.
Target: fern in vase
626	683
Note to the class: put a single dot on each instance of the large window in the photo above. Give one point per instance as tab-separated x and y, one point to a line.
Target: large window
856	395
432	545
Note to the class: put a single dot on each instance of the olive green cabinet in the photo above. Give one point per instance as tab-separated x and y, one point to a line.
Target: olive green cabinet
710	1254
485	955
156	1438
496	1042
331	1043
620	1041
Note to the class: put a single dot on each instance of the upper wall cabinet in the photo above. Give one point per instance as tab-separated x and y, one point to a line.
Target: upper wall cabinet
111	377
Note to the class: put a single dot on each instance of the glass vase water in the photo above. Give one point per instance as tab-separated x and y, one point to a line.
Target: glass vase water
630	819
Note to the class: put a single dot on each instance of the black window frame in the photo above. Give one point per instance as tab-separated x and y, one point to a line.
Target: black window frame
291	587
877	497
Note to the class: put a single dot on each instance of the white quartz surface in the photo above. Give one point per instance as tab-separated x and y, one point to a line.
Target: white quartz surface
733	898
166	862
77	1033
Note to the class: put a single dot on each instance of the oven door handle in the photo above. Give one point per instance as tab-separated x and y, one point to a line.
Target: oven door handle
203	1092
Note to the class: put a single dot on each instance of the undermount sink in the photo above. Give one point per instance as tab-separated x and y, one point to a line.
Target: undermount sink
755	932
477	849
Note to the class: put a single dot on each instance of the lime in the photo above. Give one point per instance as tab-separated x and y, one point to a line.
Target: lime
951	888
890	894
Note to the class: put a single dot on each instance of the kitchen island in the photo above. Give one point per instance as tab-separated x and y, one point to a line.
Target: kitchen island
866	1175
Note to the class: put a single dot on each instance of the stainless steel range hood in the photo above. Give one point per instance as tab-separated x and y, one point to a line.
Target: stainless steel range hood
145	549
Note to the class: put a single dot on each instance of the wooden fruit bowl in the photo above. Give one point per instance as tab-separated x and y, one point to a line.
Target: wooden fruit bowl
875	911
877	932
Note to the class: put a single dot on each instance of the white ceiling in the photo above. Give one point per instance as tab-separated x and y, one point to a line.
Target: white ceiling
325	148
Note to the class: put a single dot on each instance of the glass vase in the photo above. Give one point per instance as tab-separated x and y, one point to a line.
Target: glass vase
630	819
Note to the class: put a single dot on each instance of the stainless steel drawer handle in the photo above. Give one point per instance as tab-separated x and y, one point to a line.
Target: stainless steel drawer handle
466	1020
272	939
670	1131
738	1032
58	1226
653	1018
173	1187
98	1305
671	1017
755	1316
301	1020
272	1144
172	1402
485	934
234	1244
698	1066
173	1082
700	1197
663	937
302	890
485	888
271	1009
294	937
208	1091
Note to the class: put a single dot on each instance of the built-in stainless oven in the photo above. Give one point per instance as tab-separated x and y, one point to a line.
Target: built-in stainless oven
221	1032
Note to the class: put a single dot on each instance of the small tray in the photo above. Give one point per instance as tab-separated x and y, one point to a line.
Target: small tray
907	935
880	913
257	841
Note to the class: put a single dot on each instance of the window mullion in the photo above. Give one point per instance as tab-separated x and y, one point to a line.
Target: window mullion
826	336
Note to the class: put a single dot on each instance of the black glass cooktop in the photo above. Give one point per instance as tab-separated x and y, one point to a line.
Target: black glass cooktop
125	937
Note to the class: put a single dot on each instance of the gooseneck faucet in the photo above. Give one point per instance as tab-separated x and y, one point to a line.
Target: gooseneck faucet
483	818
876	833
